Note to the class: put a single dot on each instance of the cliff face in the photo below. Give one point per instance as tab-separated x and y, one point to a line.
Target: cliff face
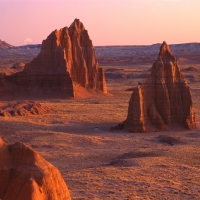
162	99
67	57
26	175
81	60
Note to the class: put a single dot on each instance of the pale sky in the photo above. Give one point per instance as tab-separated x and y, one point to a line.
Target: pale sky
109	22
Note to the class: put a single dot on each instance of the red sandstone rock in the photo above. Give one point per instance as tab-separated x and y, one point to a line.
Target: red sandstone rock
162	99
26	175
67	57
81	60
22	108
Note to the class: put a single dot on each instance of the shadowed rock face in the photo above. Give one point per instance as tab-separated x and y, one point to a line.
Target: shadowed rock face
67	57
26	175
162	99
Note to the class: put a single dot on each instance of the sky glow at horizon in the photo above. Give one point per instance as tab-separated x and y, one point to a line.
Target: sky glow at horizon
111	22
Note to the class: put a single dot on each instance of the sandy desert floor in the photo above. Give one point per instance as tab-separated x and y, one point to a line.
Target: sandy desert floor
97	163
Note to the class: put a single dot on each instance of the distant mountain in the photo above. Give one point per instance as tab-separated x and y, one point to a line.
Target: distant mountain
3	44
14	54
145	54
188	53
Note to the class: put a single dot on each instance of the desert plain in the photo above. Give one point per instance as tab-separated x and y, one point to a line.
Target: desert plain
98	163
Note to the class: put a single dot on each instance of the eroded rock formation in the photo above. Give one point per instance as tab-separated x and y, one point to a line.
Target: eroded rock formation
81	57
67	57
26	175
162	99
22	108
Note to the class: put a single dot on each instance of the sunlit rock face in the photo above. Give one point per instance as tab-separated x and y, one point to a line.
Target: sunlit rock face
67	57
81	57
26	175
162	99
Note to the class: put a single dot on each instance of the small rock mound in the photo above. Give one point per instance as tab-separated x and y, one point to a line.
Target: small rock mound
22	108
19	66
129	159
168	140
26	175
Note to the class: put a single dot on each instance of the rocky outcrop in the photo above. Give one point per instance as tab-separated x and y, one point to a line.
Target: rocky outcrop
22	108
162	99
67	57
26	175
4	44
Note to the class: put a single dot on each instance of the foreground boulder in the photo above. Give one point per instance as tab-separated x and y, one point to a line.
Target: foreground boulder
26	175
162	99
67	59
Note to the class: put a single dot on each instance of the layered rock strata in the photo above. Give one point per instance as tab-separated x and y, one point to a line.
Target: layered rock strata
162	99
22	108
26	175
81	57
67	57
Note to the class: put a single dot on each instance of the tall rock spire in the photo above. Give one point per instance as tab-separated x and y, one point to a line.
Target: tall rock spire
26	175
162	99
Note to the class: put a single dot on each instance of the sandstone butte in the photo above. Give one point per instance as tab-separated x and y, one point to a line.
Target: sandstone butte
162	100
67	60
26	175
